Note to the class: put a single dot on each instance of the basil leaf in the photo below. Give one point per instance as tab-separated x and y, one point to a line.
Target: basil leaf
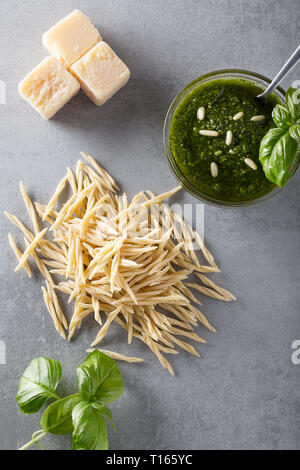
277	152
38	383
281	116
106	412
90	428
99	378
268	142
294	132
293	102
57	418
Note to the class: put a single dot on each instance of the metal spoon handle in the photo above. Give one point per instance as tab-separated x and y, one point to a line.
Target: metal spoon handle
292	61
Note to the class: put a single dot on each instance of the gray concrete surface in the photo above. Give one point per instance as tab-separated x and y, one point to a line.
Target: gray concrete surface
244	391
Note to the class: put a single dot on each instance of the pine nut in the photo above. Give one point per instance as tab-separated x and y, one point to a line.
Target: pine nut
228	139
209	133
201	113
238	115
250	163
259	117
214	169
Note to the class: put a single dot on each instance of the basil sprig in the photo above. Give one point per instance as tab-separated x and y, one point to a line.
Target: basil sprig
83	414
280	145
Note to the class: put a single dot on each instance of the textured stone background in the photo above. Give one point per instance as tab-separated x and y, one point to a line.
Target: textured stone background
244	392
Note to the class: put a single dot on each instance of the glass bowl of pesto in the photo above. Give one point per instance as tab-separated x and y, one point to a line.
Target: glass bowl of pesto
212	134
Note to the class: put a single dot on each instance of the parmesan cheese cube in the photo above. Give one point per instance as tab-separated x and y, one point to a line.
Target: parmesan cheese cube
71	38
101	73
48	87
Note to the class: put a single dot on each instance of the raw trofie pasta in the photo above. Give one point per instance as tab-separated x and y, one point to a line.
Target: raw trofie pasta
118	260
117	356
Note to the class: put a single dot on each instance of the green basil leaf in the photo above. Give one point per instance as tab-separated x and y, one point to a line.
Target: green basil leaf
87	384
281	116
57	418
106	412
294	132
277	152
293	102
38	383
268	142
99	378
90	428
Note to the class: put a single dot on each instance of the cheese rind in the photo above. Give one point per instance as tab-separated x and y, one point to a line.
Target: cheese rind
71	38
101	73
48	87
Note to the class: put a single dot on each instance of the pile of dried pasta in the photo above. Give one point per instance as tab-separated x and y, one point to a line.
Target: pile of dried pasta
119	260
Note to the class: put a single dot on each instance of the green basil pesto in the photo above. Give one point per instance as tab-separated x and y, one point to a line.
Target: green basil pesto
194	153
